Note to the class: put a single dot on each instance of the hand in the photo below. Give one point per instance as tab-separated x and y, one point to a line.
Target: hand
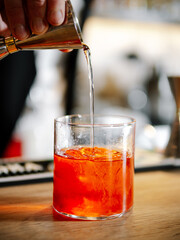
22	17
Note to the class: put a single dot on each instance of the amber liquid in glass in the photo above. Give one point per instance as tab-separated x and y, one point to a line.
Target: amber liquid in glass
93	182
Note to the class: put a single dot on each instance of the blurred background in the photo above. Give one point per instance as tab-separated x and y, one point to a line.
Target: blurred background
134	47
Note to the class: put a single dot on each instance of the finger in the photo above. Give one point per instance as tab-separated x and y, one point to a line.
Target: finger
37	16
16	19
4	30
56	12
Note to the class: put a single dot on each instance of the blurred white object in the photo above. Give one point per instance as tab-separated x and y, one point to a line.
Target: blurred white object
153	138
44	103
141	119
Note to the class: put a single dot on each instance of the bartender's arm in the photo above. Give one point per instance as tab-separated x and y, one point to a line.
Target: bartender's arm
22	17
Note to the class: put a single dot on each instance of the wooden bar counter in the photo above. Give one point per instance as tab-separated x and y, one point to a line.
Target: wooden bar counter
26	213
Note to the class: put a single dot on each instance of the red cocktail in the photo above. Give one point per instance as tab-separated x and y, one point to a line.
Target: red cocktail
93	166
93	182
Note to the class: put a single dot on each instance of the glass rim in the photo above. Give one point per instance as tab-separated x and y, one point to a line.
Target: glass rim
62	119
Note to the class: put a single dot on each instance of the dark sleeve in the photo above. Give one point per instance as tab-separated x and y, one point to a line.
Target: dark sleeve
17	73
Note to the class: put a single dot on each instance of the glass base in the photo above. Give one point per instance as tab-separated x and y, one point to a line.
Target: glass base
93	218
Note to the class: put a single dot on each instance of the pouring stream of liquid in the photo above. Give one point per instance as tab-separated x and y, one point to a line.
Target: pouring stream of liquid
91	81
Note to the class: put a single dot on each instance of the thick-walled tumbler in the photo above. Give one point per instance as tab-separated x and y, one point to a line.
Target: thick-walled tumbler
93	166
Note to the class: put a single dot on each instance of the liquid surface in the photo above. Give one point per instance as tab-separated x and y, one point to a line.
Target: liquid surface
93	182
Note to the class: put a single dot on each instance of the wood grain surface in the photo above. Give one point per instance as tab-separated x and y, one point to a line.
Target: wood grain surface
26	213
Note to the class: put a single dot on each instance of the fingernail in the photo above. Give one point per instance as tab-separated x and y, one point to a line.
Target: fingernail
56	17
38	25
20	31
